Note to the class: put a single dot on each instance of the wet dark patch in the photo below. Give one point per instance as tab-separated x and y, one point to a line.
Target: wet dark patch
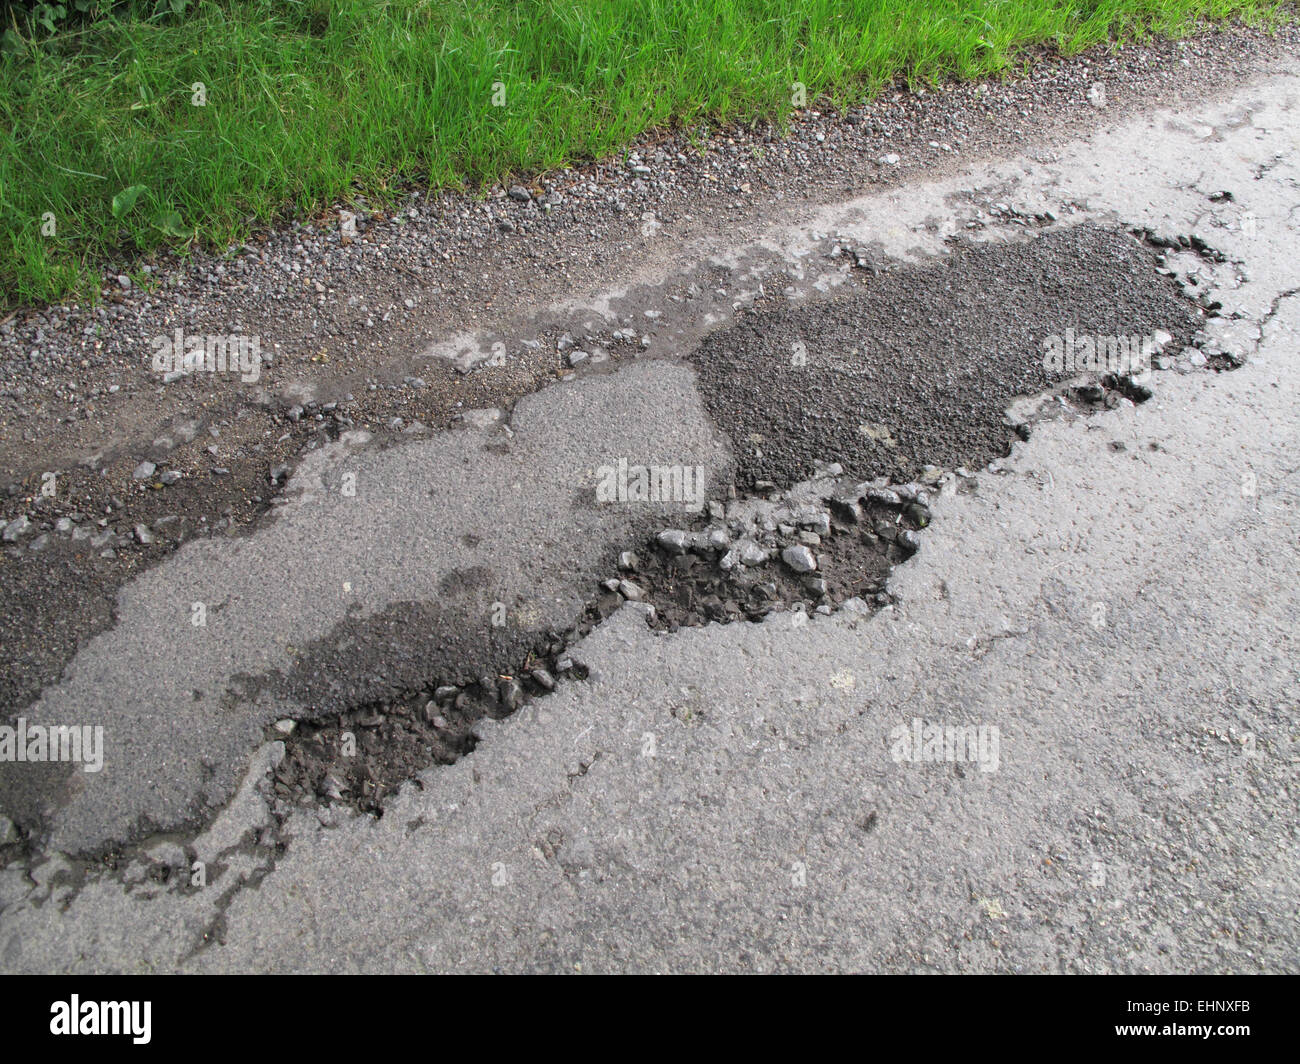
466	581
381	658
918	365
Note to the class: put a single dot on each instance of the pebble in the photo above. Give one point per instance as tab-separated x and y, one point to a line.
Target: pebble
819	522
800	559
511	694
170	477
142	535
847	509
543	678
483	417
144	471
672	540
630	591
15	528
628	561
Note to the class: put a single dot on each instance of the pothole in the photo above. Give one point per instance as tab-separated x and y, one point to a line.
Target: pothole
828	543
906	382
856	435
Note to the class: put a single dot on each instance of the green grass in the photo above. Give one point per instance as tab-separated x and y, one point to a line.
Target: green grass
310	101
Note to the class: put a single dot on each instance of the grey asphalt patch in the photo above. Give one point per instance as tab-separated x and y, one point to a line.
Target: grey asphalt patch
919	366
379	573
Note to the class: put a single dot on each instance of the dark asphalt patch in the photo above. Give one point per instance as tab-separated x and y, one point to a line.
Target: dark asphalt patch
919	364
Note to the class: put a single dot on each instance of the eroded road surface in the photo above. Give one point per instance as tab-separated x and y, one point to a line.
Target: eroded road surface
835	627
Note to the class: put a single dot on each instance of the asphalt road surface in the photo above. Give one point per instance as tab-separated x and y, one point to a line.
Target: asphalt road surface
1101	612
